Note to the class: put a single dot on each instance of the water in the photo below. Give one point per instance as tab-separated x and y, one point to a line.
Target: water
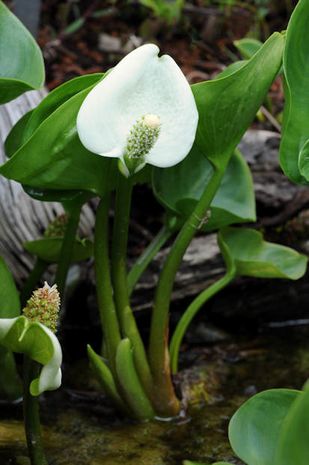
81	429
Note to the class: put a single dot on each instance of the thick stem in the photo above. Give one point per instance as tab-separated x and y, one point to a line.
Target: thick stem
120	281
107	309
32	280
65	258
190	313
158	347
148	255
32	416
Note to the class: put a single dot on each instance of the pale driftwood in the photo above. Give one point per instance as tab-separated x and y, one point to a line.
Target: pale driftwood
22	218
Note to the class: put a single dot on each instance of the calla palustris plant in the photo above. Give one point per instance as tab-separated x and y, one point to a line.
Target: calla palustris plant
99	135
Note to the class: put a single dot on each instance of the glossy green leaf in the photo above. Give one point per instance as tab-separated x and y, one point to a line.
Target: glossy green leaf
28	124
38	343
56	98
295	132
248	47
9	297
15	137
255	428
249	255
21	61
228	105
54	158
293	448
180	187
48	249
230	69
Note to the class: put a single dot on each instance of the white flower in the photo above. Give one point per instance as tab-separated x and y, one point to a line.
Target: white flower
143	111
40	344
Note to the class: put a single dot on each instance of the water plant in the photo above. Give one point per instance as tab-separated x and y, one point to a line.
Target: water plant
98	136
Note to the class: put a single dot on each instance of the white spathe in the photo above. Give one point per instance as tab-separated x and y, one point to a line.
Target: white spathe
141	84
40	344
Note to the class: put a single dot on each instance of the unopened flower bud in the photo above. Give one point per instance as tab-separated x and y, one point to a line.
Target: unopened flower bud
57	227
43	306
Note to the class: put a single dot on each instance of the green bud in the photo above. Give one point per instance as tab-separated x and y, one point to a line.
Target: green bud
43	306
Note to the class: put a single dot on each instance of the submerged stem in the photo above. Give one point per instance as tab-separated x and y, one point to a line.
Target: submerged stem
32	416
190	313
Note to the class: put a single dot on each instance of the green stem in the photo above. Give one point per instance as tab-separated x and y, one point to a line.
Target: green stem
158	347
32	416
120	280
107	309
148	255
73	212
190	313
32	280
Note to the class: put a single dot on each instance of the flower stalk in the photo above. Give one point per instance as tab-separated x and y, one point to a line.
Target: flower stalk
120	281
32	415
42	307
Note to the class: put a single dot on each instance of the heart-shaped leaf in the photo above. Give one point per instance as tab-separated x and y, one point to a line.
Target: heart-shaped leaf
296	111
54	158
228	105
249	255
21	61
38	343
255	428
48	249
293	448
179	189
